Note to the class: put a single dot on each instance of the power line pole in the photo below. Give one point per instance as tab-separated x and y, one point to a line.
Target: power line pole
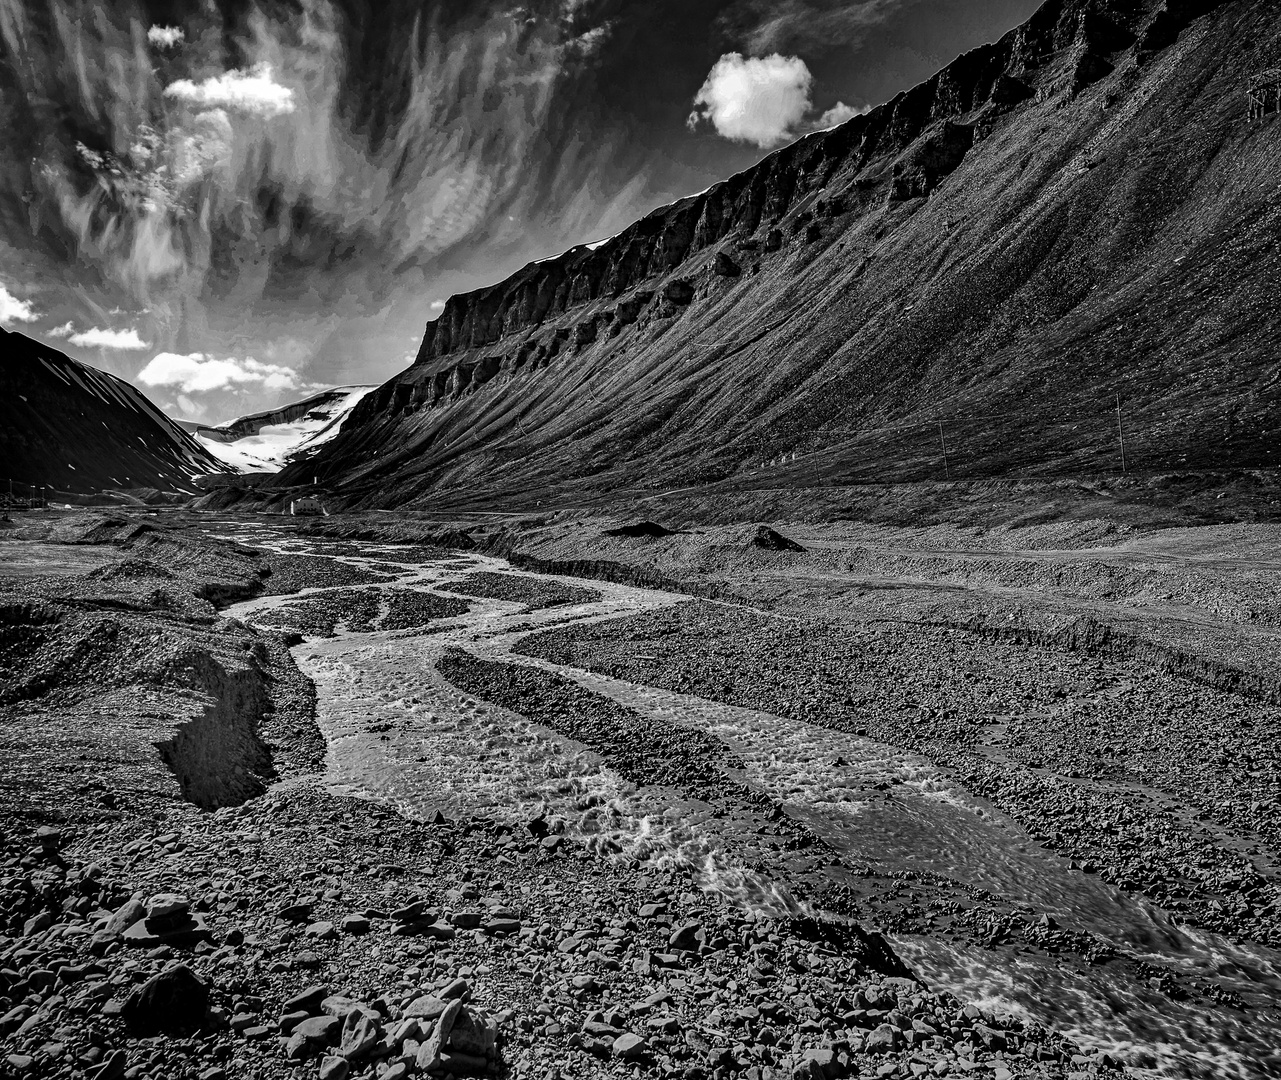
1120	433
947	472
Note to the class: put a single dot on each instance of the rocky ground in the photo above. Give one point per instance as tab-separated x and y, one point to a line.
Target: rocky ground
533	594
156	925
1154	787
1110	685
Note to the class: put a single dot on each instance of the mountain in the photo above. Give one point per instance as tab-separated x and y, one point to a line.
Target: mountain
77	430
1057	256
267	441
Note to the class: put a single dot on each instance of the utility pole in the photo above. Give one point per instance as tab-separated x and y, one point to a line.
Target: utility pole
947	472
1120	432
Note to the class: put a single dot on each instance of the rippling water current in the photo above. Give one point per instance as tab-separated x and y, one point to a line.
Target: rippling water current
399	733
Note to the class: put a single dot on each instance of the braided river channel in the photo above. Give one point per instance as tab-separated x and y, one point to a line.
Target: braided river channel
398	732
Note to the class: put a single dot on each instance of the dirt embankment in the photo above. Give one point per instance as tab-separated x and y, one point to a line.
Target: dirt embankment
124	689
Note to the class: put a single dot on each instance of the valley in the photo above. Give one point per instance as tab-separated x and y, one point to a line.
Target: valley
916	743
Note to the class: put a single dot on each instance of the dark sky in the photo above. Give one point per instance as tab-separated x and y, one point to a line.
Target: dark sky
230	203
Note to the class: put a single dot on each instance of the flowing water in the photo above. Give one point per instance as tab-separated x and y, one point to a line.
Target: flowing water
399	733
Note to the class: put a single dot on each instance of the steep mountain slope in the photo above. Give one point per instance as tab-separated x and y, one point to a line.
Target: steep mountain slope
1059	250
78	430
267	441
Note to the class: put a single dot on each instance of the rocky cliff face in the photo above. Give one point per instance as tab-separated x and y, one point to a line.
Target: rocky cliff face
1051	221
78	430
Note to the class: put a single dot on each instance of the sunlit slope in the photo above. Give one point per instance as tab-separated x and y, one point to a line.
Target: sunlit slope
1062	244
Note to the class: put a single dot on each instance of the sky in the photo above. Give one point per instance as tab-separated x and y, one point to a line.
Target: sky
232	204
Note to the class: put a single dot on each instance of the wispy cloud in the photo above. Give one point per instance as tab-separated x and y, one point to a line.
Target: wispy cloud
195	373
14	310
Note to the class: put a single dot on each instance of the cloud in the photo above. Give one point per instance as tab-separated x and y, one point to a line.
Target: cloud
838	114
757	100
103	339
14	310
165	37
65	330
254	92
195	373
767	26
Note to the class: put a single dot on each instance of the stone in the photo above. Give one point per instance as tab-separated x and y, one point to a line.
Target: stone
334	1068
988	1037
410	912
318	1030
459	988
341	1006
295	912
445	1024
167	905
179	931
321	931
130	912
355	924
474	1033
686	937
359	1035
883	1039
176	999
307	1001
291	1020
426	1007
629	1047
37	923
113	1067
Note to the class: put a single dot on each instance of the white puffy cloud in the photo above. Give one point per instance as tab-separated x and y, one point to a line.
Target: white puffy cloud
65	330
754	99
195	373
838	114
165	37
103	339
255	92
14	310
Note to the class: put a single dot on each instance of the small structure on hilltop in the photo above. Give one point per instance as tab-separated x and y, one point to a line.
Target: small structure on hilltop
307	506
1264	94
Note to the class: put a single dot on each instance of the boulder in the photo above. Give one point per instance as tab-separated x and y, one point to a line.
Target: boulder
176	999
679	292
768	540
725	266
629	1047
125	916
360	1034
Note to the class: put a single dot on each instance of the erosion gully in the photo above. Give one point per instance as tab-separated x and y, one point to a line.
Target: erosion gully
399	733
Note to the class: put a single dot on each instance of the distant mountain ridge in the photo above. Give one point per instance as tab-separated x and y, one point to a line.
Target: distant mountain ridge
268	440
1061	242
78	430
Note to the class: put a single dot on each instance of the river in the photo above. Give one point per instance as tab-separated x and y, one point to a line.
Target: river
399	733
